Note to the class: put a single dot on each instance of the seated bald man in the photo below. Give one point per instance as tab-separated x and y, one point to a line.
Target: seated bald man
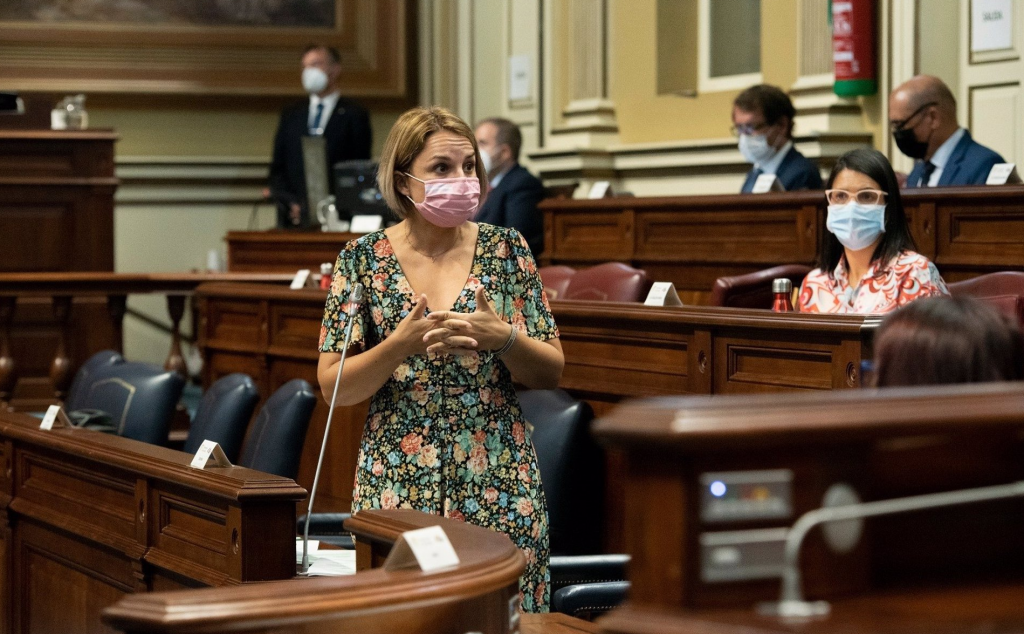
922	118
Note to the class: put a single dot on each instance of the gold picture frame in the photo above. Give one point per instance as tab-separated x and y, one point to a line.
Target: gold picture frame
171	55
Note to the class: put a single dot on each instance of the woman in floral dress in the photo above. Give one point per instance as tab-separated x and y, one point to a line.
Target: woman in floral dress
452	311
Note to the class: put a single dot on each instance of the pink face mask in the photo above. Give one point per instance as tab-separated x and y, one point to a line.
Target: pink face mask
448	202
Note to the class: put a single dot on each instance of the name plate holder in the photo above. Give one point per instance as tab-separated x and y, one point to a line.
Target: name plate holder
55	418
428	548
210	454
1003	174
767	183
301	280
663	294
366	224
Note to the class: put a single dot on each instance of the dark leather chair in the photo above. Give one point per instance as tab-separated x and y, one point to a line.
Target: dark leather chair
754	290
223	415
571	469
275	442
139	397
556	279
609	282
84	376
1004	290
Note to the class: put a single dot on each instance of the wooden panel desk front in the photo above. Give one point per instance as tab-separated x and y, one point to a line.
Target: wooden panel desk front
56	214
480	594
693	240
86	518
944	570
613	351
279	251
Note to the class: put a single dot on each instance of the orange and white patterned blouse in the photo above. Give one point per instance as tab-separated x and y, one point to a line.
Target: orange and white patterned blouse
908	276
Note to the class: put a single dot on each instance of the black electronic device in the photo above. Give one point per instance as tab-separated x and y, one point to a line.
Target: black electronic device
356	192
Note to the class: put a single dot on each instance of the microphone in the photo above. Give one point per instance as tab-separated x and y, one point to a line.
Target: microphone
355	298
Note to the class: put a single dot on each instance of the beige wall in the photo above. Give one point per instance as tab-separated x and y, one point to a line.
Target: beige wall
646	117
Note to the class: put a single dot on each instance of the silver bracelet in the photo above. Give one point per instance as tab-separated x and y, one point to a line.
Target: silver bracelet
508	343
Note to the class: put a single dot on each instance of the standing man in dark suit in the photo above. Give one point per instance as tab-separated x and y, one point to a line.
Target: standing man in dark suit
344	125
762	119
515	192
922	118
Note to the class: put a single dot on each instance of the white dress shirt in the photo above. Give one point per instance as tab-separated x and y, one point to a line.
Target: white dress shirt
941	156
771	166
330	101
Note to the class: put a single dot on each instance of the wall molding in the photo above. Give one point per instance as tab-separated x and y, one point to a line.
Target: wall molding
204	180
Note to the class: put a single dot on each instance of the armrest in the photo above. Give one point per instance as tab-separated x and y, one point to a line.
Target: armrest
587	569
589	600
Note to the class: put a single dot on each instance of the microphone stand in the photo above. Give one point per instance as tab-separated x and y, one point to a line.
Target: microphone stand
355	298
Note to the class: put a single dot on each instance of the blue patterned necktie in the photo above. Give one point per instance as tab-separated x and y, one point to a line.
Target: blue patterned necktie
315	128
926	175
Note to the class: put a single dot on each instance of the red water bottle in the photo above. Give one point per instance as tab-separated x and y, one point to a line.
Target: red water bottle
782	288
325	275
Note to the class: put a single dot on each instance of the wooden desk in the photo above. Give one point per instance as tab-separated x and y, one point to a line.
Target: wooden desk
613	351
960	567
278	251
86	518
56	214
693	240
477	595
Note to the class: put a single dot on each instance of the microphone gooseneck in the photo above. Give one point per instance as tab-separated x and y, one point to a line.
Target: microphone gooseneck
355	298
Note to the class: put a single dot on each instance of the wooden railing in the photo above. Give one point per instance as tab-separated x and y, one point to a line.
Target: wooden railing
62	288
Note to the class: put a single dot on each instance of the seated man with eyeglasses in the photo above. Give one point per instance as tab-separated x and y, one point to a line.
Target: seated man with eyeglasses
762	119
922	119
867	262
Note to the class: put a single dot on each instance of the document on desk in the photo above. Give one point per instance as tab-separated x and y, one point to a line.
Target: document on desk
327	562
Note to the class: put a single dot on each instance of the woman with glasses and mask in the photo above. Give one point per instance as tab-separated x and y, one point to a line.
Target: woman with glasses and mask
453	310
866	260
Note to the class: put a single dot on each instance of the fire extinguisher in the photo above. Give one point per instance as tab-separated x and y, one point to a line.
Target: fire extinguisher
853	47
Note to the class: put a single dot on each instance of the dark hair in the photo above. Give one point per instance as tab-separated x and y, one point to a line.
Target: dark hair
939	340
331	51
508	134
896	238
770	102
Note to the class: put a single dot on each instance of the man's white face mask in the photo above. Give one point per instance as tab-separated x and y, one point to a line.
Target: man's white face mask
314	80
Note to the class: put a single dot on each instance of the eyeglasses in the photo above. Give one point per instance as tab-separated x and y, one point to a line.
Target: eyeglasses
863	197
899	125
748	128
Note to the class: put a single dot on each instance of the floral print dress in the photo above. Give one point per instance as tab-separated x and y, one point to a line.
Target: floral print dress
445	434
907	277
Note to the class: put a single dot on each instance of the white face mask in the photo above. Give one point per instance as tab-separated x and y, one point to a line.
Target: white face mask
487	160
856	226
314	80
755	148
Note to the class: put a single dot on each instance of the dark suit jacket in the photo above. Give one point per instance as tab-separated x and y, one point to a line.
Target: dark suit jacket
795	172
969	164
347	136
513	203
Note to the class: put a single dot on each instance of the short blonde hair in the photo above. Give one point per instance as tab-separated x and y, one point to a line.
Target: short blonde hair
404	143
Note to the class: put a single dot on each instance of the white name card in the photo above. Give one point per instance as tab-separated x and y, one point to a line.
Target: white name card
366	224
210	453
429	548
1003	173
767	183
663	294
55	418
600	189
300	280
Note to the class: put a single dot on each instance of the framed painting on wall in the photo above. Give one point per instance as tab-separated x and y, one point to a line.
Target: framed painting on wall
201	47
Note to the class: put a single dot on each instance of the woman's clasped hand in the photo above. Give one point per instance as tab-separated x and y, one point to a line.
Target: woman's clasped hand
466	333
